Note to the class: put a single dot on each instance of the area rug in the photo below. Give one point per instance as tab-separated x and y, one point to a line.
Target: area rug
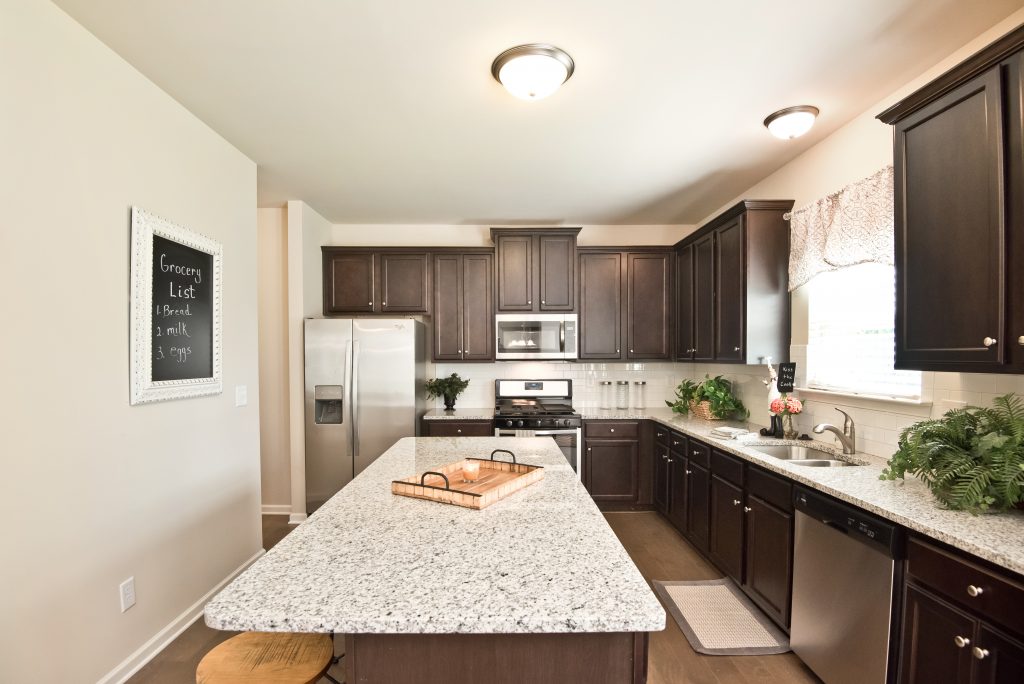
718	619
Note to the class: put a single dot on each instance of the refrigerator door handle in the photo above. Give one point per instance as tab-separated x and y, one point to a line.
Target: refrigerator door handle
355	401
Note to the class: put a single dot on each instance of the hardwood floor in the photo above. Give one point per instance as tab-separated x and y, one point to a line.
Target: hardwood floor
662	554
655	547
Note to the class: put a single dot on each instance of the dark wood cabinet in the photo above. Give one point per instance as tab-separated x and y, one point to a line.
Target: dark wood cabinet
738	309
648	305
698	506
379	281
962	619
536	269
678	473
662	492
625	303
726	542
459	428
959	216
768	566
611	462
463	317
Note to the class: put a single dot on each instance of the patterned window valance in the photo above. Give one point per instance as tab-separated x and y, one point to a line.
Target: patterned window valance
849	227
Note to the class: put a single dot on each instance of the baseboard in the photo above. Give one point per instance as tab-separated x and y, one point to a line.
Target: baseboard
165	636
296	518
276	509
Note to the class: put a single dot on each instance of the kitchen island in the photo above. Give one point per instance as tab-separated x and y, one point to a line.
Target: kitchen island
534	588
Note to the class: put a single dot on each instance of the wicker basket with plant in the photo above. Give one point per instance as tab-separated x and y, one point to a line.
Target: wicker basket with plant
709	399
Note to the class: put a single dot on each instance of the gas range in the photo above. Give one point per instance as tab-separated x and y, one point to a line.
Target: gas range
534	404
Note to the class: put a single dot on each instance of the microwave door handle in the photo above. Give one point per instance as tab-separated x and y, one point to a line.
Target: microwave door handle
561	337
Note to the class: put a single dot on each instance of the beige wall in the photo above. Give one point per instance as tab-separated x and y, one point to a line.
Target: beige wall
272	250
480	236
94	490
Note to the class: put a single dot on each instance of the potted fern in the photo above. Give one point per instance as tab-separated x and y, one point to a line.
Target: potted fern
450	388
972	459
710	399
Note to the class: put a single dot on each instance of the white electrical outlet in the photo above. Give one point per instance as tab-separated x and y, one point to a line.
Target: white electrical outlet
241	395
127	594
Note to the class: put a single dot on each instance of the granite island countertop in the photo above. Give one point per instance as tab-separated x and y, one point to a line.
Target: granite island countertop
370	562
996	537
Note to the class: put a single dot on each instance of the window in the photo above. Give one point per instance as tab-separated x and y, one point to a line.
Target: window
850	344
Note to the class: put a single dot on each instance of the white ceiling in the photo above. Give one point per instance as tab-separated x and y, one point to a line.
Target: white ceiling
384	111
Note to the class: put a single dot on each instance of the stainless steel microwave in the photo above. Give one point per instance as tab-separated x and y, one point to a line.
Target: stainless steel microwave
535	336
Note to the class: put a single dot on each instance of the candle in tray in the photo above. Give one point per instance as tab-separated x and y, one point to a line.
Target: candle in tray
470	471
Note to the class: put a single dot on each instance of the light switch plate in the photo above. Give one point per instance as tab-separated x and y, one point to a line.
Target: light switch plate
241	395
127	594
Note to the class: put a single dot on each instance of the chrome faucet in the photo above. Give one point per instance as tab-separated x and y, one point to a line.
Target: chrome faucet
848	435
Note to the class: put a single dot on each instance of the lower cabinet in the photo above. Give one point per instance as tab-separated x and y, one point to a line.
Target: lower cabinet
611	462
726	547
459	428
962	622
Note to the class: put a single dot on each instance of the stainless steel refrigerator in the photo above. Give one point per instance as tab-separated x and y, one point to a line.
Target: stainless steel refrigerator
364	392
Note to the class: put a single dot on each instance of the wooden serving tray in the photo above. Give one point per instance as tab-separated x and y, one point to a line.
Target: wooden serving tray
497	480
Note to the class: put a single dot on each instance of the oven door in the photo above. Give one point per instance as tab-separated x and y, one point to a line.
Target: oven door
568	442
535	336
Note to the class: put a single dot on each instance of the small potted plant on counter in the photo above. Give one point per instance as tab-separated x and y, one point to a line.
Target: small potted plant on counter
972	459
787	407
710	399
450	388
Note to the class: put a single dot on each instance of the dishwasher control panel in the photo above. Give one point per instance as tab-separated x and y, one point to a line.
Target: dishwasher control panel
856	523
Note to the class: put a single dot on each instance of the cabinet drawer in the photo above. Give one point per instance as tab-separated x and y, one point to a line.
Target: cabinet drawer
458	428
661	434
1001	599
699	453
776	490
677	443
612	429
727	467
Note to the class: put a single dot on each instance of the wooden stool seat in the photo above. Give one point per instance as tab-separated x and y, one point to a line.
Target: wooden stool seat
281	658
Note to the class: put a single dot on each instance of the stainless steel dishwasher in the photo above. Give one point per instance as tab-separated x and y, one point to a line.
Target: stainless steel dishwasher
844	572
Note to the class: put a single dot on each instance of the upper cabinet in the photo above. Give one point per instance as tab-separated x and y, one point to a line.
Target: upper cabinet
463	314
732	295
378	281
536	268
959	216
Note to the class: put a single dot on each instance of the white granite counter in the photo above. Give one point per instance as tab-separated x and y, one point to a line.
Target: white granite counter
995	537
541	560
460	414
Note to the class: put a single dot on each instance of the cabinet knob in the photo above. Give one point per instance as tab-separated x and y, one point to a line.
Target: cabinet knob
369	303
675	443
696	453
979	653
670	460
529	301
974	591
1020	340
747	509
459	430
735	348
611	429
688	472
659	434
630	351
543	302
960	641
383	303
990	341
664	457
736	502
616	351
589	449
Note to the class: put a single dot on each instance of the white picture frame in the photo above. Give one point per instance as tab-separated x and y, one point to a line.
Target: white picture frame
144	389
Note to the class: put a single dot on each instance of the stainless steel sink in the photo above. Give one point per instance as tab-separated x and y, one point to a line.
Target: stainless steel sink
802	455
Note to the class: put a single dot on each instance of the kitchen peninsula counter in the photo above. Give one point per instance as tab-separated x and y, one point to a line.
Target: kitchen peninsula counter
537	582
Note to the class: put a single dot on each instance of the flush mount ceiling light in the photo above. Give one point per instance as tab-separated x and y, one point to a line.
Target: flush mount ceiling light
791	122
532	72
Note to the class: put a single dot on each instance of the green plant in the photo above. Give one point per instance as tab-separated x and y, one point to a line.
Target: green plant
972	459
452	386
717	391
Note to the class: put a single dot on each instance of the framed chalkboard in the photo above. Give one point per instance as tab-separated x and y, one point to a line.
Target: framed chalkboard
787	377
175	311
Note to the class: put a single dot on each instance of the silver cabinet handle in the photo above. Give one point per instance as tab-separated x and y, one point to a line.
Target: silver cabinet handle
460	351
735	348
688	472
664	457
611	429
979	653
670	460
383	303
960	641
696	453
369	303
747	509
529	301
736	502
990	341
543	302
974	591
616	351
589	449
459	430
675	443
659	434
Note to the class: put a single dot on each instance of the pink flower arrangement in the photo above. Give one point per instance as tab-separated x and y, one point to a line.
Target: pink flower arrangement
786	405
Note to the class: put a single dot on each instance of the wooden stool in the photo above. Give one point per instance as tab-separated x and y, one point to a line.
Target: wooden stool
256	657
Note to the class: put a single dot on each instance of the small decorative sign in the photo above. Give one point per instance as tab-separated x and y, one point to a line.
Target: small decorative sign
175	311
787	377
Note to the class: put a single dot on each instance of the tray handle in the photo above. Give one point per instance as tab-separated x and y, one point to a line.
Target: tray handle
447	484
503	451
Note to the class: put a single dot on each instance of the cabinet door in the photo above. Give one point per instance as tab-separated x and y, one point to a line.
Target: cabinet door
769	557
730	293
704	299
613	470
677	474
447	316
1001	661
726	541
404	283
648	286
950	231
928	643
515	272
600	305
662	495
477	307
348	286
698	491
684	290
557	268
